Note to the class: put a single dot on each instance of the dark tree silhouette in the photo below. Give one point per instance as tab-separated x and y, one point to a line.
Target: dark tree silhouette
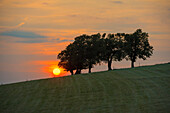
67	59
79	53
87	51
137	46
92	50
112	48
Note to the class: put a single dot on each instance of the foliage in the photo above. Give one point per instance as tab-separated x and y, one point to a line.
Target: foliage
89	50
113	48
137	46
79	53
92	50
67	58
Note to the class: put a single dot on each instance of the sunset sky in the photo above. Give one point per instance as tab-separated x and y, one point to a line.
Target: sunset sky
33	32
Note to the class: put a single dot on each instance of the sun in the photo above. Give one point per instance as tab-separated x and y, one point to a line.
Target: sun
56	71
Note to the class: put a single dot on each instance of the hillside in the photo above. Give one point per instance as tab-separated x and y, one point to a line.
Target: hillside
139	90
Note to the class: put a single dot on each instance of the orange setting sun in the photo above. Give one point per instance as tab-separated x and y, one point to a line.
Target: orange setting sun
53	69
56	71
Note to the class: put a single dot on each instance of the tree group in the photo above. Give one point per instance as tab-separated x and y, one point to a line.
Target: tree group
89	50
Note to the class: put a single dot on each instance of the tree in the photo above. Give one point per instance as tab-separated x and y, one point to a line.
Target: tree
67	59
137	46
112	48
92	50
79	53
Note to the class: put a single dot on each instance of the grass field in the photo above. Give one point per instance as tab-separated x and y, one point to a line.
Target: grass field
139	90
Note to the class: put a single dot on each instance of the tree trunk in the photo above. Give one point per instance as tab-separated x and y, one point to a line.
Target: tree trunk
109	65
132	64
71	71
78	71
90	68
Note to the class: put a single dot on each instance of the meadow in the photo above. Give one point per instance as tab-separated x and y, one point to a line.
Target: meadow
135	90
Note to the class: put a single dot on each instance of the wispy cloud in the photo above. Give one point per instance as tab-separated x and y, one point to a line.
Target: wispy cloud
22	23
12	28
117	2
65	40
45	40
31	37
22	34
19	25
31	41
45	3
160	33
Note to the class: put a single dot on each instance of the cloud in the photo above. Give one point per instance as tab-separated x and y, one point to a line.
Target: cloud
22	34
32	41
22	23
160	33
31	37
12	28
41	41
65	40
19	25
57	40
73	15
117	2
45	3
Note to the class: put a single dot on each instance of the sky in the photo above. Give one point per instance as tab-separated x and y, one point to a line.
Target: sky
33	32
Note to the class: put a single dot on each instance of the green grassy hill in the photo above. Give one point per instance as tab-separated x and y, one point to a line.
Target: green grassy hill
139	90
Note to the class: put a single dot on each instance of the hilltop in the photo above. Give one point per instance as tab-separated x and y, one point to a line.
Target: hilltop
138	90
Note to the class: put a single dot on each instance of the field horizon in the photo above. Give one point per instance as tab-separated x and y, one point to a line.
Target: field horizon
138	90
84	73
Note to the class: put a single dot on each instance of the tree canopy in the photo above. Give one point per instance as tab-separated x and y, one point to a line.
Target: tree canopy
137	46
89	50
67	59
112	48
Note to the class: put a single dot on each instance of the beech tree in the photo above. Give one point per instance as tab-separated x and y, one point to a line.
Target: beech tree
67	59
79	53
89	50
83	53
92	50
112	48
137	46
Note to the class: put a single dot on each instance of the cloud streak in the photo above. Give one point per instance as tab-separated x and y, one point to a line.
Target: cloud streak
19	25
45	40
117	2
22	34
22	23
31	37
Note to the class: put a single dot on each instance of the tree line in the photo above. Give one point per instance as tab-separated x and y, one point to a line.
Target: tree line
89	50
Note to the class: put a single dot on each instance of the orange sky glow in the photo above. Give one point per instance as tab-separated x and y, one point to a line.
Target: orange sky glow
33	32
49	66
